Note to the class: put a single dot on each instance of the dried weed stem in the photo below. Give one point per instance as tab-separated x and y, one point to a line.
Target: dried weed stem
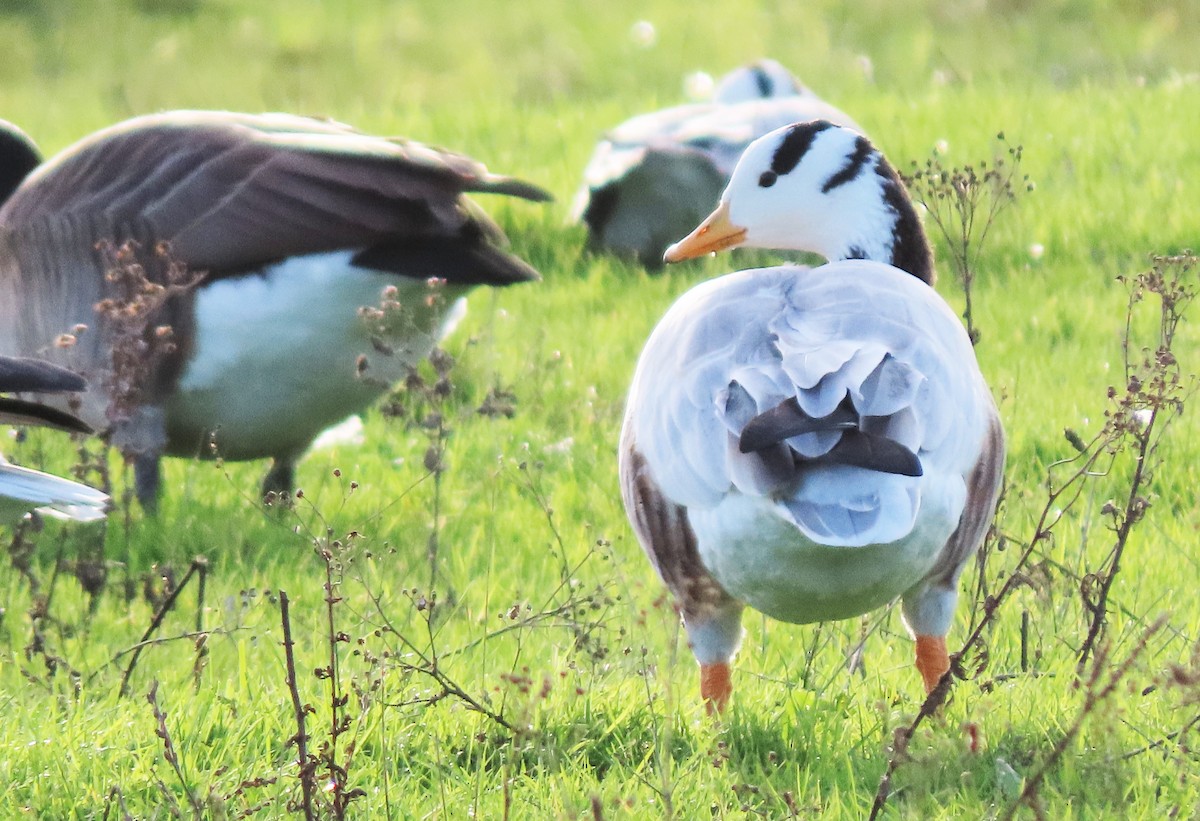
1096	690
199	566
963	204
307	763
1136	421
170	754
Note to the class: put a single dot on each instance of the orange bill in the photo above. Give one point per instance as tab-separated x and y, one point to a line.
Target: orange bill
714	234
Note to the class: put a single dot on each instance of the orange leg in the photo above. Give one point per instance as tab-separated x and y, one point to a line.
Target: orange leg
932	660
715	687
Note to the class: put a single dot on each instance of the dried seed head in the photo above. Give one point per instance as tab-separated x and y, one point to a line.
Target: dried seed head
433	459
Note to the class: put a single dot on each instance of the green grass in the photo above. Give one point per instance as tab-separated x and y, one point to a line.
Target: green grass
588	662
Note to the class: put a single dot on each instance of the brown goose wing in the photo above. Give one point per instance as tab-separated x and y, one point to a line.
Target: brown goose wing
230	191
663	529
983	491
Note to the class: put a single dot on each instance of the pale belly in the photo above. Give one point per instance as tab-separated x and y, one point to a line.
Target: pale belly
767	563
276	357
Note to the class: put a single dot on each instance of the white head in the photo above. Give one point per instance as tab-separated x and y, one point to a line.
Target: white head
815	187
758	80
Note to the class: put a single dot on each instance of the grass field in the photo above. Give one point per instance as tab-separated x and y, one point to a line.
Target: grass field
550	678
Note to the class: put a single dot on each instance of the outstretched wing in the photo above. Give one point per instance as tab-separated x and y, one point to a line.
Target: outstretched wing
232	191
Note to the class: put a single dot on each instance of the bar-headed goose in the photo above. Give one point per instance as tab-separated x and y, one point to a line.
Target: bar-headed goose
812	442
295	223
22	489
653	177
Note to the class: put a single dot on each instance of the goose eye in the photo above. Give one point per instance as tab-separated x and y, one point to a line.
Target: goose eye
767	179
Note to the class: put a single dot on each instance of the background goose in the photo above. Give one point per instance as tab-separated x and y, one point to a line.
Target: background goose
652	178
295	223
22	489
812	442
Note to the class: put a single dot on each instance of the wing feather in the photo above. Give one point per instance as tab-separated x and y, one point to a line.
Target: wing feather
25	375
665	534
231	191
762	355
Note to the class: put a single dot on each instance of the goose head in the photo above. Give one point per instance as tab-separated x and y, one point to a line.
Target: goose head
19	155
815	187
759	80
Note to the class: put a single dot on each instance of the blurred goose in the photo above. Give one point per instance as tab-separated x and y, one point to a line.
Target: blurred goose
22	489
652	178
295	223
811	442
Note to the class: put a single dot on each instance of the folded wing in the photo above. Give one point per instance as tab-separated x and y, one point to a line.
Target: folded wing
843	407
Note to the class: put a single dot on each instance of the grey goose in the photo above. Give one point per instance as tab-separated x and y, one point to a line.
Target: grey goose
811	442
294	224
654	177
23	489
